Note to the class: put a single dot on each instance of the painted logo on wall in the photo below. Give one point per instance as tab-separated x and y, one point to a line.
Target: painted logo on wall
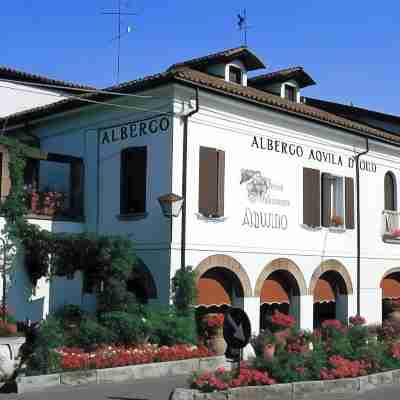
262	189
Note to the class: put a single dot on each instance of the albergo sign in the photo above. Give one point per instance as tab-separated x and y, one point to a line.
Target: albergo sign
296	150
131	130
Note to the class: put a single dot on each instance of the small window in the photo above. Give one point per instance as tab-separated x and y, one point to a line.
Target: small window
133	180
390	192
211	182
235	75
290	93
332	200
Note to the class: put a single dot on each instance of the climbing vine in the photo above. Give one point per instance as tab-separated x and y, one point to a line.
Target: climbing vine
106	262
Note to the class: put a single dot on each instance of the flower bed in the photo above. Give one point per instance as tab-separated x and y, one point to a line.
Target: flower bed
114	356
334	351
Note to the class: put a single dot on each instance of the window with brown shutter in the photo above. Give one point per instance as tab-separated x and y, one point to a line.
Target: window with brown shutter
133	180
311	197
77	187
211	182
349	196
390	192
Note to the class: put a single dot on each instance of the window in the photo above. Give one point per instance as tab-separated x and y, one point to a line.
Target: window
235	75
133	180
332	200
290	93
211	182
390	192
328	200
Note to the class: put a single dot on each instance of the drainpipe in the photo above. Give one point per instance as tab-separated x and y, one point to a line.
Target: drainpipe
358	224
185	119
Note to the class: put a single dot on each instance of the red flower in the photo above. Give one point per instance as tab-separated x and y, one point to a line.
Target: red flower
357	320
282	320
214	320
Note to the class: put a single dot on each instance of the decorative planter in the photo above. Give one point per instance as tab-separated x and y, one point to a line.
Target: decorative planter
269	352
394	315
9	349
217	345
215	340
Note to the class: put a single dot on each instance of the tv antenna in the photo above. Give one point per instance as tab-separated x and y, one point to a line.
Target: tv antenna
243	27
119	13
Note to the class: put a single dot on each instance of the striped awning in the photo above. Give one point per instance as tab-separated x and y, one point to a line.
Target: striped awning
390	288
273	292
210	292
323	292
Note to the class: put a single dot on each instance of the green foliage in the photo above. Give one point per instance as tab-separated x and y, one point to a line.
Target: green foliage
259	341
170	327
69	311
90	335
127	328
184	289
39	350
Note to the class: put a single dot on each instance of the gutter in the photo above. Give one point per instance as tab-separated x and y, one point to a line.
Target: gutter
185	119
357	158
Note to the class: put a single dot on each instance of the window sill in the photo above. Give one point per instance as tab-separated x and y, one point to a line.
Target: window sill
391	239
337	229
132	216
210	219
311	228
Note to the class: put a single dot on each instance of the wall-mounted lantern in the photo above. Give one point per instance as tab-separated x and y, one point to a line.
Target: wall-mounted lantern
171	204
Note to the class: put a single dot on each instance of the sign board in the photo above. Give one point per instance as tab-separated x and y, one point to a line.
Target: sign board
237	328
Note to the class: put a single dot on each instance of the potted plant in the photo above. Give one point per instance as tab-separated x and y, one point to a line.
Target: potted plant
212	325
336	220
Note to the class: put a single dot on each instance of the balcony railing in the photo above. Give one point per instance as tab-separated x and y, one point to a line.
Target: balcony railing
391	226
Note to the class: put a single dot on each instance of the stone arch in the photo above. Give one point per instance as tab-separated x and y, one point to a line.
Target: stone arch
281	264
391	271
224	261
331	265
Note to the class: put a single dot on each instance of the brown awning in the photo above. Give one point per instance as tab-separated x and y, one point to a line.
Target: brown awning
323	292
390	288
273	292
211	292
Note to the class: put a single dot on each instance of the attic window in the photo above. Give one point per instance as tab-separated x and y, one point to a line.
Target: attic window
235	75
290	93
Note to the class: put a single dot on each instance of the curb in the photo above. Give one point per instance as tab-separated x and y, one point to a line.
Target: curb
118	374
296	390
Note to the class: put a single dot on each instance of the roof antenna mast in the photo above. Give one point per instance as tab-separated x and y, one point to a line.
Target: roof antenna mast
242	25
119	13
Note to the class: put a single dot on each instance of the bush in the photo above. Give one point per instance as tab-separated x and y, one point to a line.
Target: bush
39	348
90	335
70	311
170	327
184	289
127	328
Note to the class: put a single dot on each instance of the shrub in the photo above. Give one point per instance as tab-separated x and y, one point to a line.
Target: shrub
69	311
184	289
170	327
390	331
90	335
261	340
127	328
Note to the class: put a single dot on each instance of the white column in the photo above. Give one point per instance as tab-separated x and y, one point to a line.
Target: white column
251	306
371	305
306	312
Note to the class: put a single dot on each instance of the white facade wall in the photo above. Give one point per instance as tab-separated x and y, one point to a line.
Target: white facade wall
18	97
228	125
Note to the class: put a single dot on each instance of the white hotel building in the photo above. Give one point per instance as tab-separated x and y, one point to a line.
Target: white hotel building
269	181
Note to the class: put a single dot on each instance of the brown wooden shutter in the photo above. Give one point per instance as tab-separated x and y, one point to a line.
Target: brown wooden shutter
77	187
133	180
311	197
390	197
326	200
221	183
208	182
349	201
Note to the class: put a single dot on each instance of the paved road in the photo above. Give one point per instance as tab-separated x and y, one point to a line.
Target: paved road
160	389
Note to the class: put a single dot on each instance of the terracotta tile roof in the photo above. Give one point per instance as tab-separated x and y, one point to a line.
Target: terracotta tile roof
352	112
17	75
283	75
188	76
250	60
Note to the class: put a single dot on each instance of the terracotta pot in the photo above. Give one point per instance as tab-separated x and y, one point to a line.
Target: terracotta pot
394	316
269	352
217	345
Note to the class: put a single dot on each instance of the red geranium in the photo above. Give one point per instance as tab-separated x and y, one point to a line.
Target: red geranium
214	320
357	320
282	320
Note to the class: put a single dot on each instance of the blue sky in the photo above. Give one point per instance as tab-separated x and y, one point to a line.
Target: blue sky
350	48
